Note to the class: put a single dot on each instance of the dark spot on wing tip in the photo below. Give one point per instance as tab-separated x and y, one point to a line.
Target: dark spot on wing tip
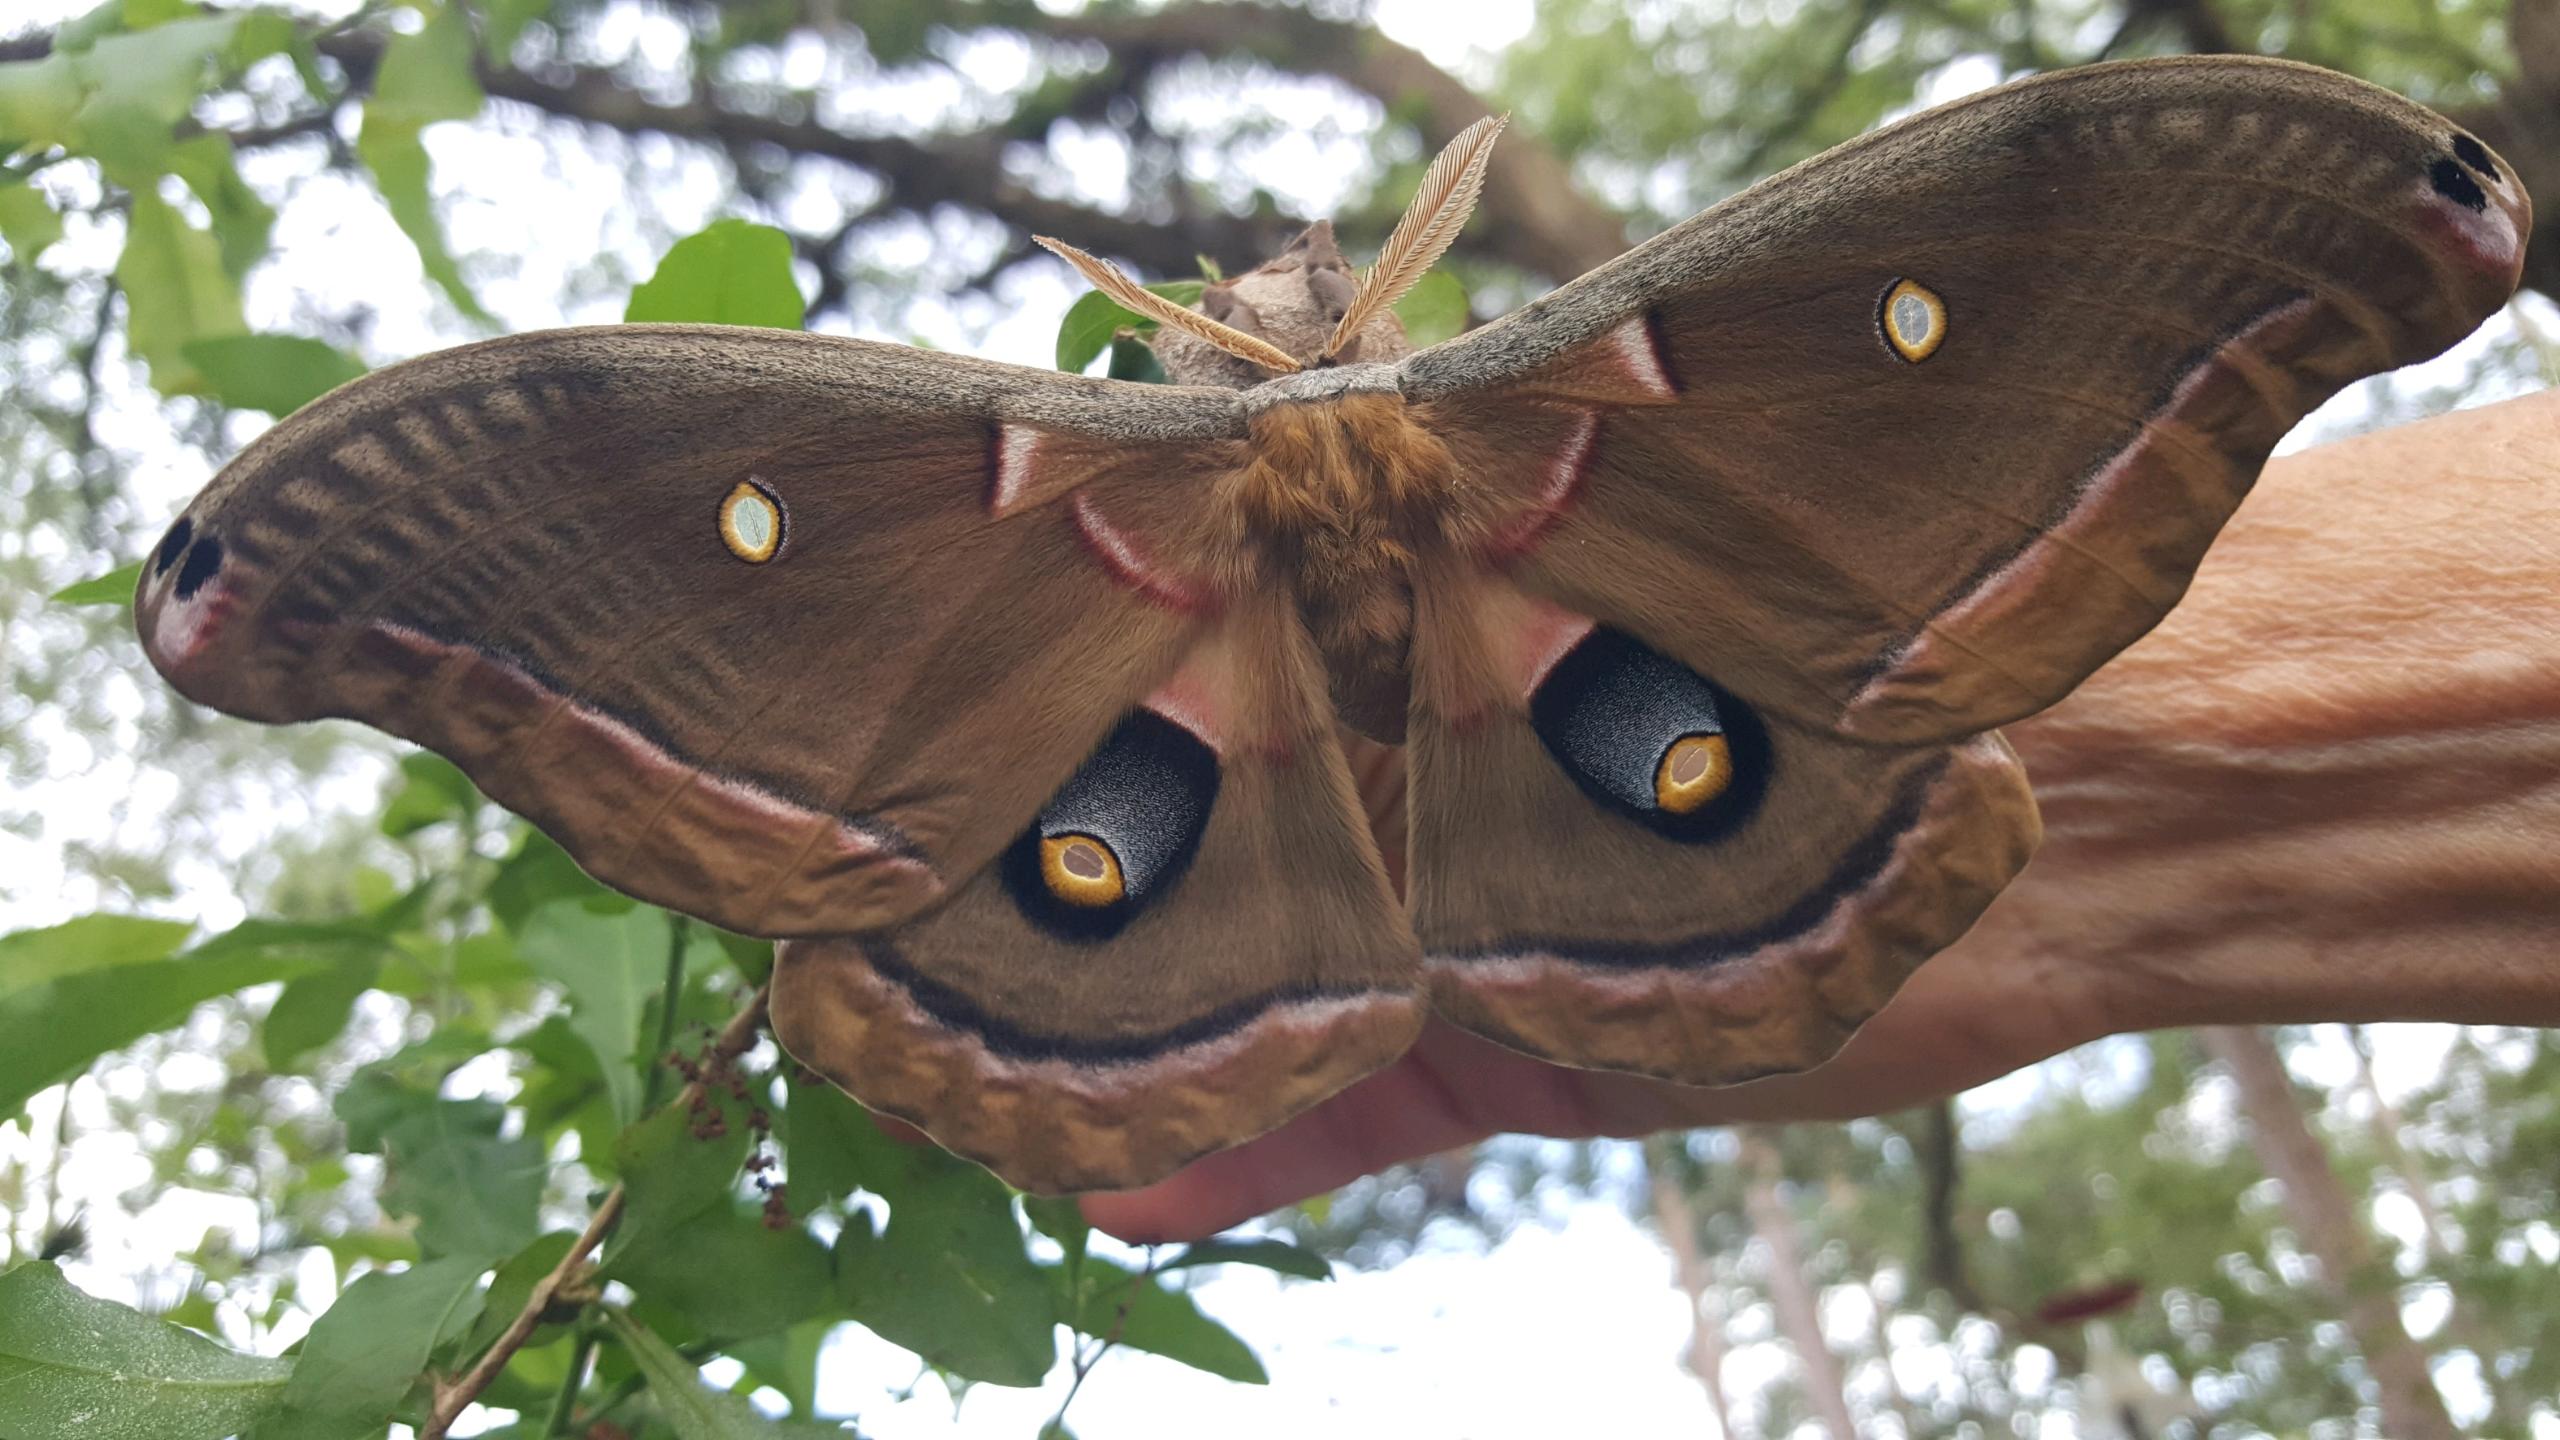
204	561
172	545
2455	184
2474	154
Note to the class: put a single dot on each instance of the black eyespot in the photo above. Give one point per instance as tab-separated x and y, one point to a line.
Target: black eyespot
172	545
2455	184
2474	154
204	560
1143	798
1611	711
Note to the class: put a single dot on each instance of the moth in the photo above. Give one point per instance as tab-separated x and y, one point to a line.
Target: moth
1685	603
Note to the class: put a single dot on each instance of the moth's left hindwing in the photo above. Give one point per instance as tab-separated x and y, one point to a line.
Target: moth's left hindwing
1888	450
1191	942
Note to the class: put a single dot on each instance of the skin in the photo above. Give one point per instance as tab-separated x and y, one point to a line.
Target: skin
2327	788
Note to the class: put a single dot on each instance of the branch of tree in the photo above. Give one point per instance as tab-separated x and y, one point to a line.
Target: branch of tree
1548	225
455	1396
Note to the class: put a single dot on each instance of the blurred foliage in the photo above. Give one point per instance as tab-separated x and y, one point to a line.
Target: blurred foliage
423	1046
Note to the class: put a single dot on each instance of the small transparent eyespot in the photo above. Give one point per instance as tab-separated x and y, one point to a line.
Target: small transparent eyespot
1695	770
1081	870
751	523
1914	320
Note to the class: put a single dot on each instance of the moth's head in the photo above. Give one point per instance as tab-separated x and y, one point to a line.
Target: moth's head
1295	301
1307	307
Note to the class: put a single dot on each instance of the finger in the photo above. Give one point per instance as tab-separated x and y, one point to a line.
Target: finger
1402	1112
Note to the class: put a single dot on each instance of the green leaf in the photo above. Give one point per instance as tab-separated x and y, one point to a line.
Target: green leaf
176	290
28	222
432	791
52	1030
141	84
731	273
787	1360
1132	359
73	1367
475	1194
369	1349
275	373
730	1277
538	873
1129	1309
313	1009
38	99
1277	1255
427	76
693	1409
116	587
1061	1219
1434	310
824	1134
93	942
1087	329
504	20
242	222
392	151
611	964
676	1166
1095	318
951	1278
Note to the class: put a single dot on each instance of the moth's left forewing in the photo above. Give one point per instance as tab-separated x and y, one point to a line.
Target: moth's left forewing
1916	435
1801	498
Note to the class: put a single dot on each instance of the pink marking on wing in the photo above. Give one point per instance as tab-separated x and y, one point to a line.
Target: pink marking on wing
1121	553
1009	470
2014	584
1199	703
1566	471
2486	238
494	678
1633	344
181	630
1538	636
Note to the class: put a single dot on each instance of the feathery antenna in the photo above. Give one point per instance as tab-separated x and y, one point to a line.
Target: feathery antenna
1108	279
1430	225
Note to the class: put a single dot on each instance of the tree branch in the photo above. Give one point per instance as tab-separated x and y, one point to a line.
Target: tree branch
964	170
1547	225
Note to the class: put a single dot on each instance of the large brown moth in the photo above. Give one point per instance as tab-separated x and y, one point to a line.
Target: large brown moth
1016	703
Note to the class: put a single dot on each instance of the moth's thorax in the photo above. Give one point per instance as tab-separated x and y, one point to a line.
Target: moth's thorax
1340	482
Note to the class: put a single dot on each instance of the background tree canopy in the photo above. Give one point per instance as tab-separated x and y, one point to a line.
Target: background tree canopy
314	1067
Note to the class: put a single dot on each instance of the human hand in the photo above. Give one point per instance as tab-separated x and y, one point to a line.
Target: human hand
2326	788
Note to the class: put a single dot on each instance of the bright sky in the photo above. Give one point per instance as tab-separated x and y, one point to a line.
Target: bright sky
1570	1319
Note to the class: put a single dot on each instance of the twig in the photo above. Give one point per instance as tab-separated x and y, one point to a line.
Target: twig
455	1396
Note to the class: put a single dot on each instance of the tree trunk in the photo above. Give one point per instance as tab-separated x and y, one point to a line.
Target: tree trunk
1679	1227
2331	1232
2505	1406
1790	1290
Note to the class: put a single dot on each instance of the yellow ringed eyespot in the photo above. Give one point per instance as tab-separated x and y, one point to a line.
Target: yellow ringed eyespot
1081	870
1914	320
1695	770
751	523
